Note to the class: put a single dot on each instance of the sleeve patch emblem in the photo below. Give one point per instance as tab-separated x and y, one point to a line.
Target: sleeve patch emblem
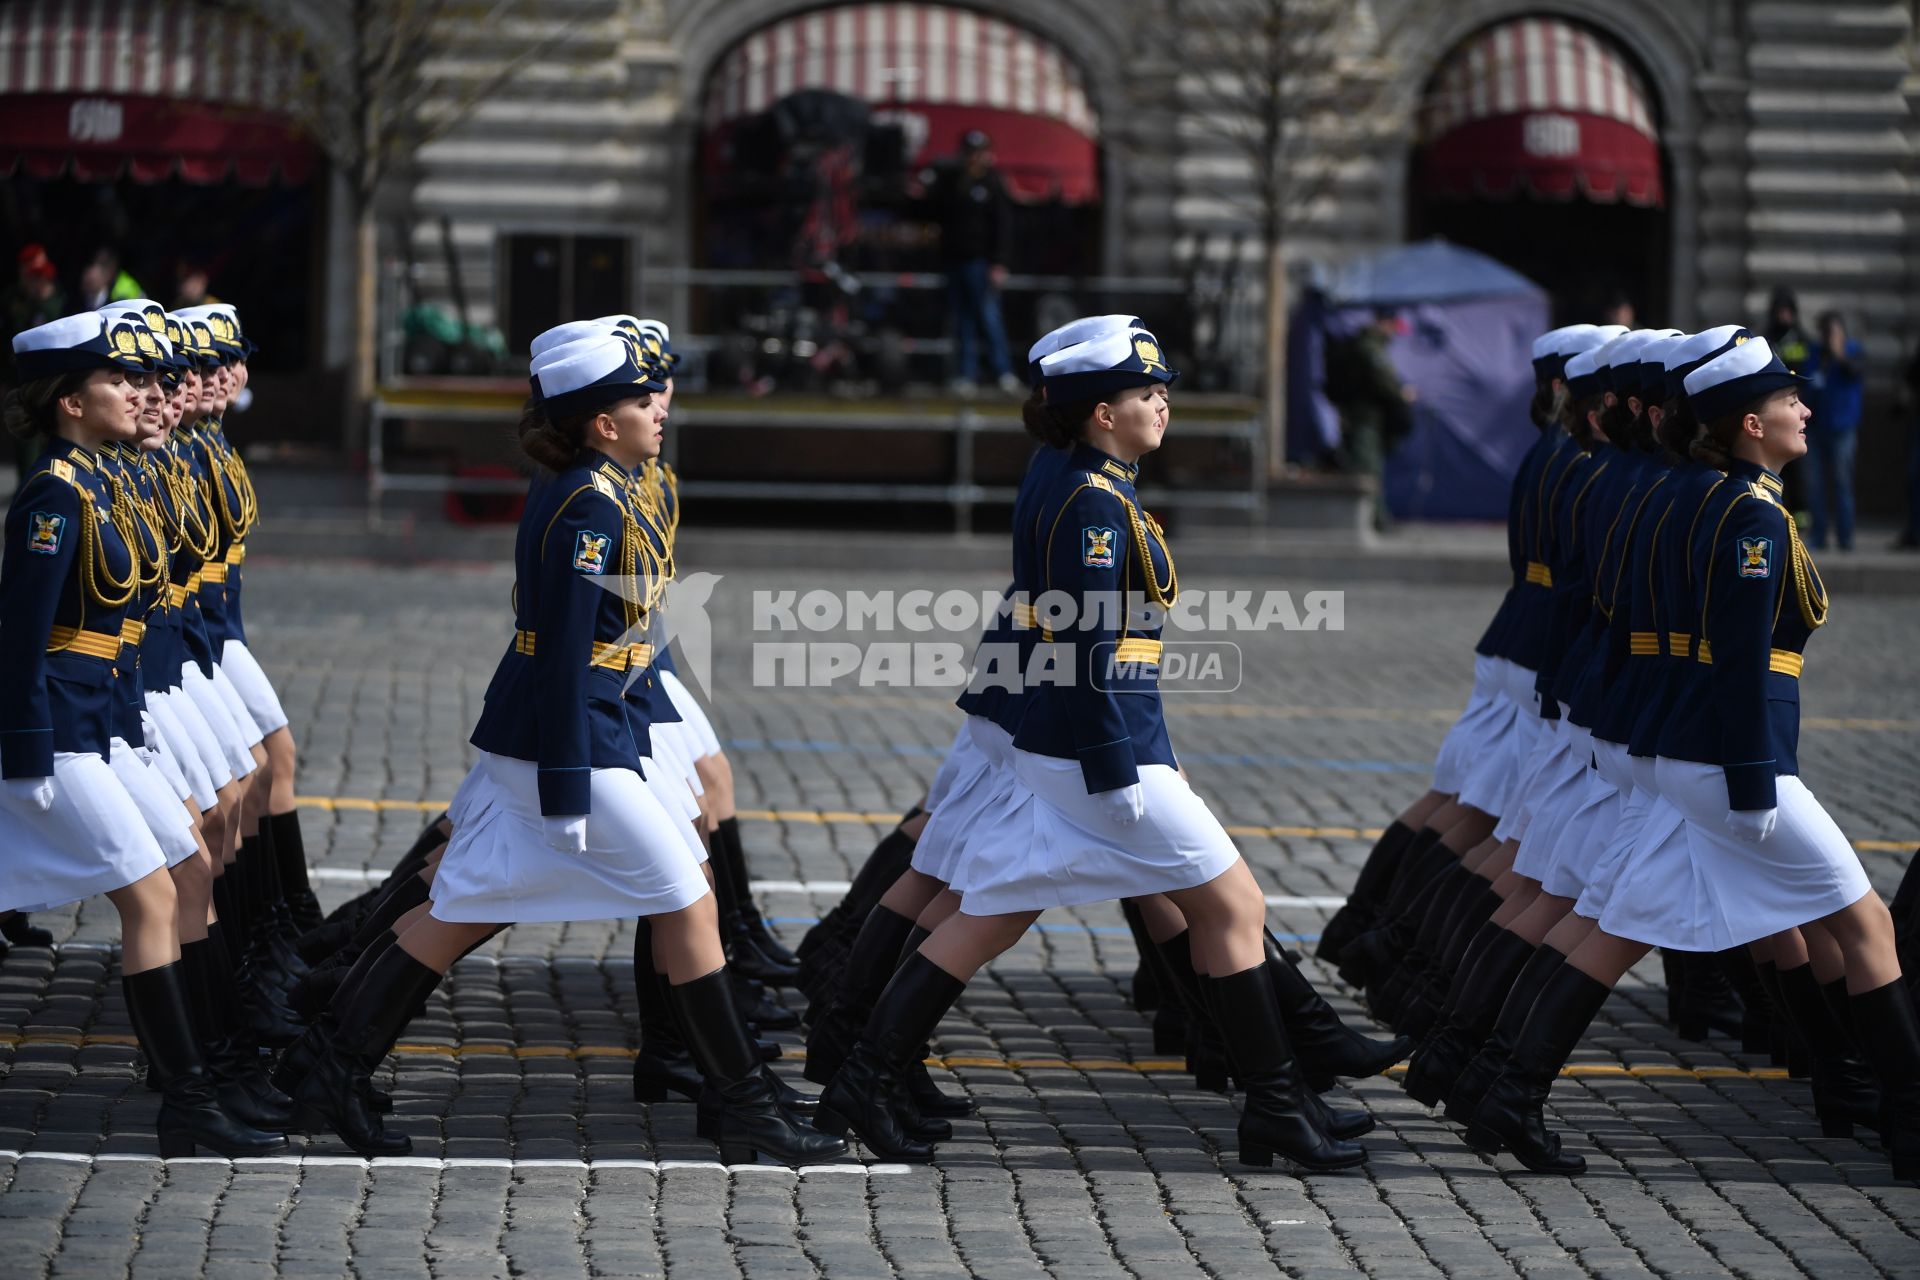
1096	547
44	531
1756	557
590	552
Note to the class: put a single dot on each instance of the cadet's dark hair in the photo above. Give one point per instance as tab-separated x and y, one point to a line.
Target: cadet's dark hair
1573	416
1548	397
1677	428
28	412
1617	421
555	441
1058	426
1715	445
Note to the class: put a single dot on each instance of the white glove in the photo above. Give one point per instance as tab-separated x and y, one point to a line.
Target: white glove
37	792
1124	805
149	733
1752	824
566	835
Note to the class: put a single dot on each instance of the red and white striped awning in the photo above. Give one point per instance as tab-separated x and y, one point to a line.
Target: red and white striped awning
105	87
935	71
1545	105
929	54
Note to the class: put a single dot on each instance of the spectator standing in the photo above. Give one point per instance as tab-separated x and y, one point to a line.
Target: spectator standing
1364	386
34	299
1784	334
1837	390
103	281
975	215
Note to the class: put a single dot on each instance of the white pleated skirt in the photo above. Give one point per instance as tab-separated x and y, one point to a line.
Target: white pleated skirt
672	748
228	738
1583	838
93	840
198	760
1646	819
257	697
982	776
163	757
1553	796
498	868
1048	843
958	752
1473	732
1491	778
1544	745
1705	889
693	716
250	733
159	808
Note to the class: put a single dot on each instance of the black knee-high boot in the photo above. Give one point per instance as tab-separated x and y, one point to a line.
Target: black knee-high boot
870	963
1889	1032
1472	1007
191	1114
727	843
1700	999
1144	988
664	1064
1409	994
932	1107
747	1120
1425	1005
1471	1085
1325	1045
1369	892
378	1007
1453	890
824	947
1171	1028
235	1068
1370	956
868	1095
290	855
1756	1008
1844	1093
1510	1114
1276	1116
1785	1048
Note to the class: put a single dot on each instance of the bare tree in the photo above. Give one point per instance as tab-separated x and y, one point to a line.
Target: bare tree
1290	87
378	85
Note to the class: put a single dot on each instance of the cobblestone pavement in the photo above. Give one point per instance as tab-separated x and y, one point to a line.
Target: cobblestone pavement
1088	1156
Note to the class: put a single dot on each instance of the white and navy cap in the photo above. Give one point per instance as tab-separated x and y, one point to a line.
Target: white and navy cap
1072	332
591	373
86	341
1100	366
1642	368
1736	378
1689	353
1551	349
154	317
223	328
571	331
658	340
1584	373
192	341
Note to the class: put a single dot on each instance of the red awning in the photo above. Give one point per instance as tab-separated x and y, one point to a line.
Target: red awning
100	139
1540	105
936	71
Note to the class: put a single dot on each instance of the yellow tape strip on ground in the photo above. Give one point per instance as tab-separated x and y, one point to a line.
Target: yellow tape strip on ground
352	804
482	1049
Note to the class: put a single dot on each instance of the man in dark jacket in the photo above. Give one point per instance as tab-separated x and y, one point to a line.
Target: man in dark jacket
974	212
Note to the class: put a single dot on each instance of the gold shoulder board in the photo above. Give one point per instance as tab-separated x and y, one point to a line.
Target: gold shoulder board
1099	481
61	469
605	486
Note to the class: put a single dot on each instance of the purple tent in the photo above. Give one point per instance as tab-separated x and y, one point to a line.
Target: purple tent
1470	326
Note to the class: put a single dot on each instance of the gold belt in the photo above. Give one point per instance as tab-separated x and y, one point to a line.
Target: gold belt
215	573
616	657
95	644
1785	661
1138	651
177	594
1539	574
1024	616
1678	642
194	580
236	553
132	631
1644	642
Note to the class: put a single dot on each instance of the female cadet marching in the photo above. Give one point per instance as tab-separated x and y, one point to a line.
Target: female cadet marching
70	573
1101	811
1755	856
555	821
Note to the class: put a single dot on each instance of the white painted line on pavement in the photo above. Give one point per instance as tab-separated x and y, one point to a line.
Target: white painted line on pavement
459	1162
1284	900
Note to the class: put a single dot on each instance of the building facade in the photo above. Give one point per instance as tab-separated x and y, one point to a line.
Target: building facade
1686	158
